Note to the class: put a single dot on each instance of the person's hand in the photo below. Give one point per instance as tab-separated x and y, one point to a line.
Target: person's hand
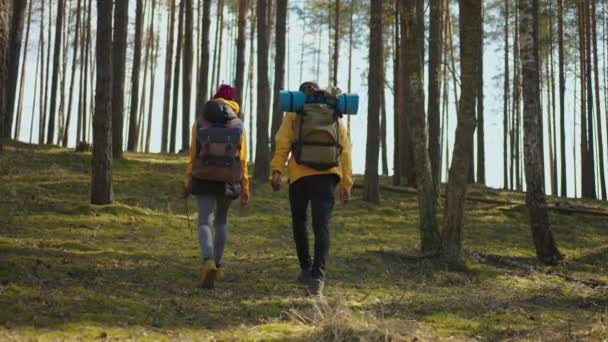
276	180
345	195
244	198
187	189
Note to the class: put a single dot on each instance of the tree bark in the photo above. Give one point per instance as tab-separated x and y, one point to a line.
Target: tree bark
19	113
101	182
406	158
119	60
481	146
396	89
187	78
546	249
55	78
435	53
14	56
262	154
250	78
336	45
598	113
6	13
562	96
168	69
371	191
279	68
470	32
240	51
178	57
506	95
153	66
430	241
135	71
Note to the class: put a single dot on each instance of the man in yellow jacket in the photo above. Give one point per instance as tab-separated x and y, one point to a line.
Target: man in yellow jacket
317	187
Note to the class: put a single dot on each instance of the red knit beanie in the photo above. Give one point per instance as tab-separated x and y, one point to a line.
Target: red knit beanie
226	92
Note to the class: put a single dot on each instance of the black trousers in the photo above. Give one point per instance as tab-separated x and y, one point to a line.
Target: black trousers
319	191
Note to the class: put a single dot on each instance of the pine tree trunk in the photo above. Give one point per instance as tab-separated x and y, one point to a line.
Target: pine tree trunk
101	182
168	68
6	13
562	96
64	73
149	42
154	65
553	111
36	73
481	146
13	58
79	111
176	73
546	249
598	113
383	143
240	51
336	44
87	57
470	38
119	60
187	78
250	78
135	74
435	53
55	78
406	149
41	115
219	29
19	113
371	192
583	124
279	71
396	89
506	95
589	92
262	154
430	241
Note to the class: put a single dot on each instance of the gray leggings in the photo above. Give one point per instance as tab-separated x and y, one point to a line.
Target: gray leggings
207	205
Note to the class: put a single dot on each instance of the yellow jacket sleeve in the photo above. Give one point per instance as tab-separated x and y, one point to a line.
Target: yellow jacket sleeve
346	159
188	181
244	169
283	142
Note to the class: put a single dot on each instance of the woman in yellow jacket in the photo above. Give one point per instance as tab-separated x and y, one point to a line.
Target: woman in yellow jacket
317	187
215	197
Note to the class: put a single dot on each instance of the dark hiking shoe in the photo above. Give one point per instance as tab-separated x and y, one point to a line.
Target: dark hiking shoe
315	287
304	275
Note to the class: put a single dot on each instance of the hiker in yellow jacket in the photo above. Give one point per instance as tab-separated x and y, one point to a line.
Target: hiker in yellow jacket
312	184
214	182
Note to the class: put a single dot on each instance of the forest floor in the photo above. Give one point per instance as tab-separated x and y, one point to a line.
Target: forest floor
73	271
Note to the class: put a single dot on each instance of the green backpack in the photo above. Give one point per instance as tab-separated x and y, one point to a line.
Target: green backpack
317	143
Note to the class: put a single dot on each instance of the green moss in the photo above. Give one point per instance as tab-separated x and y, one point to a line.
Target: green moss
70	270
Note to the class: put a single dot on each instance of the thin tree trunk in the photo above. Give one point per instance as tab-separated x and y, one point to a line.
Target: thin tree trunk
506	95
553	111
383	133
396	88
87	56
119	60
36	73
147	58
178	58
41	116
430	241
79	111
187	78
168	68
353	4
598	113
262	155
154	64
589	91
546	249
19	114
371	192
135	74
434	89
240	50
279	71
55	78
583	134
481	146
6	13
219	29
336	46
562	96
470	32
407	160
101	180
250	78
64	72
13	59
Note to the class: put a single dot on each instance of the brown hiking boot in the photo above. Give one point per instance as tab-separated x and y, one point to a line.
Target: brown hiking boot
315	287
219	275
304	275
208	274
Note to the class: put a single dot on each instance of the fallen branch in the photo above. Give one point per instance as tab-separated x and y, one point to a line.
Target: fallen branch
556	206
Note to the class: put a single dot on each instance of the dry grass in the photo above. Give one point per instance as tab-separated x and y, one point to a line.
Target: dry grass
335	320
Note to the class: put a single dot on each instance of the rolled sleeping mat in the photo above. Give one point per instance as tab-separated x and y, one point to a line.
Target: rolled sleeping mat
293	101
